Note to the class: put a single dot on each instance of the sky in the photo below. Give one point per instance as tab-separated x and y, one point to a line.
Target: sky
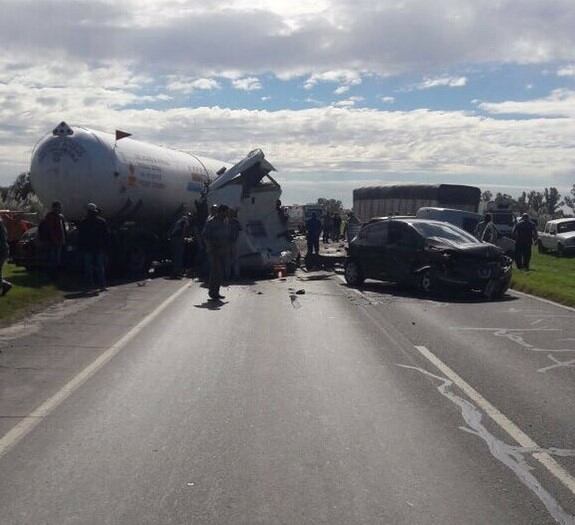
338	93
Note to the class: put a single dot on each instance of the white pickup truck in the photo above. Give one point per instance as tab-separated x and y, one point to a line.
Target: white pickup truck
558	236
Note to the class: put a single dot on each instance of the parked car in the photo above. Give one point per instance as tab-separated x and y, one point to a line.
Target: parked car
32	253
558	236
427	254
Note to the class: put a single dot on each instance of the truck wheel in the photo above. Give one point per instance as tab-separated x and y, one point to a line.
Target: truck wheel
540	247
353	273
136	261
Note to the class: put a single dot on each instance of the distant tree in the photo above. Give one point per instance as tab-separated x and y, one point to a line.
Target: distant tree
505	198
552	200
535	201
330	205
20	195
569	200
522	203
486	196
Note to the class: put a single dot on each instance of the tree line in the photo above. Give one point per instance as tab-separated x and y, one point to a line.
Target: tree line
548	202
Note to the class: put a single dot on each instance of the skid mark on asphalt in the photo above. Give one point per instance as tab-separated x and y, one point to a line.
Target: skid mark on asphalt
513	457
516	336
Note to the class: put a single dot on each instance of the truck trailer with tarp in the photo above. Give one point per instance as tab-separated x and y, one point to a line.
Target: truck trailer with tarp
406	199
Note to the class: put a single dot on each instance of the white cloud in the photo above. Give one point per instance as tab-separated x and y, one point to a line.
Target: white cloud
265	99
247	84
346	77
186	37
349	102
444	81
387	99
560	103
566	71
188	86
341	90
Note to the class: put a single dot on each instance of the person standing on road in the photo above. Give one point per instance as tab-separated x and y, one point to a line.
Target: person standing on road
54	235
4	253
352	227
488	231
233	266
313	232
217	238
179	232
525	234
480	228
336	228
327	226
93	241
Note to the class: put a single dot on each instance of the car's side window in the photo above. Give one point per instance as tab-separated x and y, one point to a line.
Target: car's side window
376	234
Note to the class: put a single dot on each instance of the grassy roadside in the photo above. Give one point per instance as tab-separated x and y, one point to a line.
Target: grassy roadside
31	291
550	277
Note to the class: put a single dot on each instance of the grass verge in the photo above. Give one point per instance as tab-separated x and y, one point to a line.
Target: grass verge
550	277
31	291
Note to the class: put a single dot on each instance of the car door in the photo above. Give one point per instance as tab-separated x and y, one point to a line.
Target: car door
402	250
372	243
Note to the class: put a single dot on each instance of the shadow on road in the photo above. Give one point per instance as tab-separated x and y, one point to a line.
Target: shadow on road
211	304
446	296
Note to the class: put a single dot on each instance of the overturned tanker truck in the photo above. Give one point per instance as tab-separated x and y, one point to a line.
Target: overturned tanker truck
142	188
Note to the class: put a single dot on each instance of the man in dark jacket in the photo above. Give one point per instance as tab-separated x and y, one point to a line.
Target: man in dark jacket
313	232
216	235
94	241
525	234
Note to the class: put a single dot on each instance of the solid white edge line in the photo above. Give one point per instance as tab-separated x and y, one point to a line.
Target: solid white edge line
18	432
542	299
502	421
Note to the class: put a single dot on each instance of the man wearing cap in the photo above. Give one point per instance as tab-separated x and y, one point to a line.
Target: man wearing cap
5	285
93	241
525	234
216	235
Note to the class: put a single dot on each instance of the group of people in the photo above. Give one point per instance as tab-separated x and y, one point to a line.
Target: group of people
216	242
94	242
524	234
331	227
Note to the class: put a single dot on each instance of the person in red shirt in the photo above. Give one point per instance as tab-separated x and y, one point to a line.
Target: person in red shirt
54	235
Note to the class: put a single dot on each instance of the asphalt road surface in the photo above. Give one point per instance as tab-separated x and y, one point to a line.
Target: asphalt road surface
149	405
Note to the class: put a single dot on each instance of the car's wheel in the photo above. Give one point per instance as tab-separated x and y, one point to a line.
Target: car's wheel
540	247
495	293
426	281
353	273
560	250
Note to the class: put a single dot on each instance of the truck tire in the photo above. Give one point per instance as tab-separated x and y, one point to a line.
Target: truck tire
136	262
353	273
540	247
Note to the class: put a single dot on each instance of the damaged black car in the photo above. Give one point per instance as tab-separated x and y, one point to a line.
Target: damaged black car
431	255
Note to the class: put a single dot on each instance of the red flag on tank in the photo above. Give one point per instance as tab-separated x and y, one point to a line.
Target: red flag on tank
122	134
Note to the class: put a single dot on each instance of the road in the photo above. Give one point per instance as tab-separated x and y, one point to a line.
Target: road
148	405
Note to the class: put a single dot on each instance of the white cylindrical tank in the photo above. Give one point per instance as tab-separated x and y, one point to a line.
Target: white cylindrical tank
125	178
